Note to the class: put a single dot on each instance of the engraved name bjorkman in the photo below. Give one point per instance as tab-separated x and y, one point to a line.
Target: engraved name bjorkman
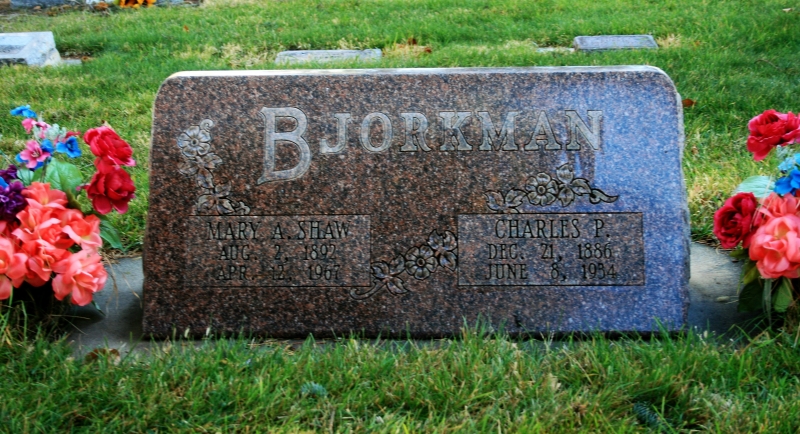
581	131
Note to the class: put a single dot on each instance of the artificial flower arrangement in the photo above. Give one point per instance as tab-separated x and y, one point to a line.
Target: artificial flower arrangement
45	237
761	222
134	3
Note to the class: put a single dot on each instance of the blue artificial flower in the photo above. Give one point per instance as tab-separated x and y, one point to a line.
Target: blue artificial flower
787	164
23	110
788	184
69	147
3	183
47	146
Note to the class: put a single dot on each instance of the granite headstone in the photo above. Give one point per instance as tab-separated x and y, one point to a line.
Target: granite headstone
28	4
386	202
29	48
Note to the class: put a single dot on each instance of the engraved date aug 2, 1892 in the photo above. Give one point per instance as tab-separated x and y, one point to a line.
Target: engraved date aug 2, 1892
331	250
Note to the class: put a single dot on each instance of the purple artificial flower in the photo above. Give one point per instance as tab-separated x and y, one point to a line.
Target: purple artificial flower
9	174
11	201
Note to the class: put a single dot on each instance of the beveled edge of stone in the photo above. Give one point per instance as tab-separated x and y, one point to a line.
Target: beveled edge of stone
423	71
583	43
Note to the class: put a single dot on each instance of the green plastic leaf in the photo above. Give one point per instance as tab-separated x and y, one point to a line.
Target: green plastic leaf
750	297
766	302
63	176
749	272
782	298
25	175
110	234
739	253
760	186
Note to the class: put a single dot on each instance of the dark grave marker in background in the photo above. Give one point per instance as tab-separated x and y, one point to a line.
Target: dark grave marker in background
390	201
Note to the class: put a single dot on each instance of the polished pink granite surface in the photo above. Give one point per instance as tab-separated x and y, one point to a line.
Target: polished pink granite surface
394	202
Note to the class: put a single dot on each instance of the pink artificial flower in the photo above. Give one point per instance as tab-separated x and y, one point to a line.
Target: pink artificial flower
34	221
84	231
776	247
775	205
28	124
34	154
43	126
79	275
40	262
40	195
43	241
12	268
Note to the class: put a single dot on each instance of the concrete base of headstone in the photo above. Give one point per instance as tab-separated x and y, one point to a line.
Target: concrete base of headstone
712	294
327	56
613	42
32	49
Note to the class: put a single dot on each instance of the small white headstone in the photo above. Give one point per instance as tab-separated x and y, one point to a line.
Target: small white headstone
564	50
32	48
327	56
613	42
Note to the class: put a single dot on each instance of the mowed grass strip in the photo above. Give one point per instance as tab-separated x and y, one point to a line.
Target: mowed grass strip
733	58
475	384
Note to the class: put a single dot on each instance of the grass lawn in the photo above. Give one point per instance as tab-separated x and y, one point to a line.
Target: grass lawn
735	59
474	384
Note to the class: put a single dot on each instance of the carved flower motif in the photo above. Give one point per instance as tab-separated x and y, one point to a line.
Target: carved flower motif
505	204
565	195
420	262
194	141
542	190
216	200
444	248
199	163
201	167
386	274
565	173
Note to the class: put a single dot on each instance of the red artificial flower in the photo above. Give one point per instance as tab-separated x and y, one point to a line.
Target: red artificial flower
772	129
733	222
111	151
111	189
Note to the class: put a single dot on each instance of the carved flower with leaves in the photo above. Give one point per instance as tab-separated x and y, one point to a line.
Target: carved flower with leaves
199	162
545	190
420	262
444	248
